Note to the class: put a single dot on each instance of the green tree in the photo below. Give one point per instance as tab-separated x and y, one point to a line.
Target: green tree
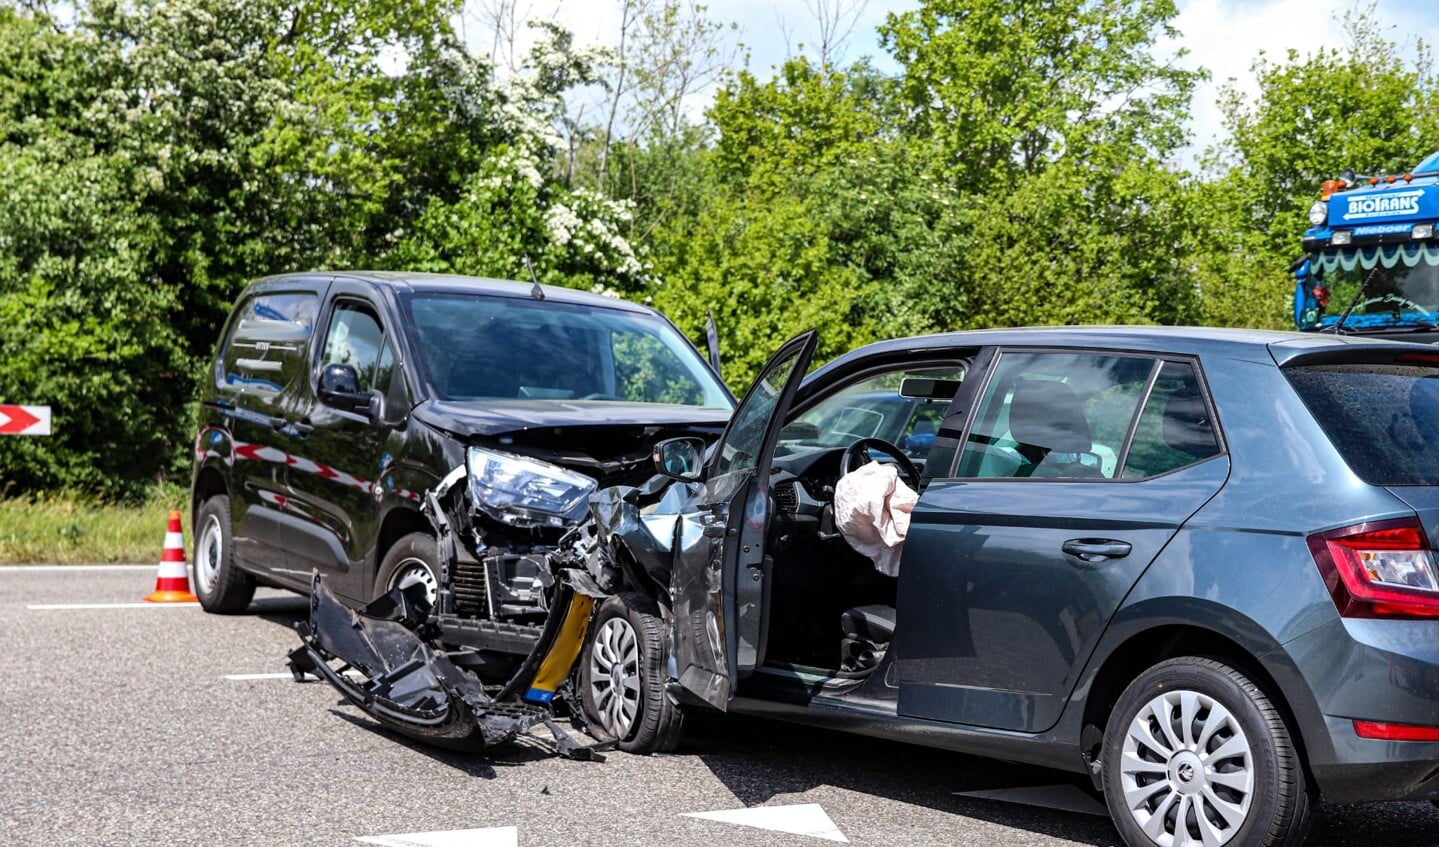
1004	87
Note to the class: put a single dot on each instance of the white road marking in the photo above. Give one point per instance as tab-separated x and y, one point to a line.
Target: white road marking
1065	798
60	568
804	819
49	607
499	836
245	677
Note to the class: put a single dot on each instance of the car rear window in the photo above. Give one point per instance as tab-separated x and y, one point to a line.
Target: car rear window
1383	418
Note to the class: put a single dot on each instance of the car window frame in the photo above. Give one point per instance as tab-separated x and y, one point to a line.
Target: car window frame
811	394
990	358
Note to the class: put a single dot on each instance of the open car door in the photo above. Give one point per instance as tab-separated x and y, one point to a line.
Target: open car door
720	569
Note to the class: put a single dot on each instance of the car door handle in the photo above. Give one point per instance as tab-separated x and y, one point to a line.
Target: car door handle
1096	549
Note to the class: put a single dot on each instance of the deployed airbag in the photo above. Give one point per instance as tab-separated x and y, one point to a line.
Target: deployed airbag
871	510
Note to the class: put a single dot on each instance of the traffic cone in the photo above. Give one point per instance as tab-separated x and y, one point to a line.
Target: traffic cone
172	582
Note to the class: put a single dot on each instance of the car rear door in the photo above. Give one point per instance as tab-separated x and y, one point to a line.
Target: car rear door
720	570
1075	469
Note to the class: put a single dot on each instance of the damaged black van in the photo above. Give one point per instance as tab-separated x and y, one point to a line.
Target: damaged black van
336	400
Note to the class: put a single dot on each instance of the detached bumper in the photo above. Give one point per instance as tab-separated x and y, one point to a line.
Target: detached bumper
377	661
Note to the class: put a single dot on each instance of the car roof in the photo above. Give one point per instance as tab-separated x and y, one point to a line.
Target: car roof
428	283
1256	344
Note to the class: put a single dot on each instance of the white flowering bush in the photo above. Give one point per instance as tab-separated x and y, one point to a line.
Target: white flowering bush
516	203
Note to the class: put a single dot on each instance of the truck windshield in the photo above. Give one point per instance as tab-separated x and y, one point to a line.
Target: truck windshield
478	347
1404	287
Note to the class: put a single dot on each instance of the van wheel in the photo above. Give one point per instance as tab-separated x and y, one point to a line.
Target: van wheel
622	677
1196	753
411	561
220	585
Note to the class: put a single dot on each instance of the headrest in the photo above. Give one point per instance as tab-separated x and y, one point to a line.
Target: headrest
1048	414
1186	424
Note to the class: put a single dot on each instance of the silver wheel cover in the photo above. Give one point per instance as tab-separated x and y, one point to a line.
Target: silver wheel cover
1187	771
615	676
209	553
414	572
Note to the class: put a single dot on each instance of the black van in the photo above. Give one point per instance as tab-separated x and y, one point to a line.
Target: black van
337	399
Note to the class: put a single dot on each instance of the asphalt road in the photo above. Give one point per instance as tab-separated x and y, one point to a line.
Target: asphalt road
118	726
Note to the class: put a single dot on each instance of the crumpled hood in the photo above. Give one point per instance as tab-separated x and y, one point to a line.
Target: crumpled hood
496	417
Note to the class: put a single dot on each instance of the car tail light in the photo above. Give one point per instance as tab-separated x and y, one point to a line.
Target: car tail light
1395	731
1379	569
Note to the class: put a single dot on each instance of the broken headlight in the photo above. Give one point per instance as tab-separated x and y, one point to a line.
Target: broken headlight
524	492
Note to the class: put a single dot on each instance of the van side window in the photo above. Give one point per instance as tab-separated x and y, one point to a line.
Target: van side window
355	338
265	351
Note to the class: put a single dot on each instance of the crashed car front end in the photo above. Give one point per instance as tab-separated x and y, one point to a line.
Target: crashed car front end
526	548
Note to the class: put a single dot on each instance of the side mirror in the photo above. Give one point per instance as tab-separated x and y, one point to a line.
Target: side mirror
680	458
340	387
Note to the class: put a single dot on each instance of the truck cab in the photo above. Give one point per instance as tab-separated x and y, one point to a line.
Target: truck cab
1371	263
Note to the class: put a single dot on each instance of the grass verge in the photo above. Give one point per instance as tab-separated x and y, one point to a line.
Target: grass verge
69	528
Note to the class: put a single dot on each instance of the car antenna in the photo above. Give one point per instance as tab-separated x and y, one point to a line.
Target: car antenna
1358	295
536	292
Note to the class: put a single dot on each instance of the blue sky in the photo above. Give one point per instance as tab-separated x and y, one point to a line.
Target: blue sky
1225	36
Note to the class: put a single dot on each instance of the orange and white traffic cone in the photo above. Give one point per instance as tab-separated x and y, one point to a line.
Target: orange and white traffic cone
172	583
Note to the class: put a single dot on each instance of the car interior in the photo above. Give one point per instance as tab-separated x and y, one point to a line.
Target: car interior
832	611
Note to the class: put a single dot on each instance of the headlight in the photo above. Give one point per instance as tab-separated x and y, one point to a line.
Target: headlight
525	492
1319	213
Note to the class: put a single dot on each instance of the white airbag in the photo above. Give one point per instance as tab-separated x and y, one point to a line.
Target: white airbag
871	511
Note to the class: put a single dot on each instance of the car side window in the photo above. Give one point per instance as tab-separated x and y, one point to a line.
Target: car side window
1055	416
355	338
1174	428
740	448
874	407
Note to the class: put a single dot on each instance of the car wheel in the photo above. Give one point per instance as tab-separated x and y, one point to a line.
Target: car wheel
411	561
622	677
219	583
1196	753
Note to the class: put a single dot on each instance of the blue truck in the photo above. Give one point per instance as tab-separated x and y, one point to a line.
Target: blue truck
1371	261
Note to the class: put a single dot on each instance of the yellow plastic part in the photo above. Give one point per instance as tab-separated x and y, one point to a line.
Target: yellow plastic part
567	645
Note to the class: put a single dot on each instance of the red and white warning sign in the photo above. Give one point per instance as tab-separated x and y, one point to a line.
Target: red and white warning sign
24	420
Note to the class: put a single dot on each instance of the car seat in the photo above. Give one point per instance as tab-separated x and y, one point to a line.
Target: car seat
1046	419
1186	425
867	633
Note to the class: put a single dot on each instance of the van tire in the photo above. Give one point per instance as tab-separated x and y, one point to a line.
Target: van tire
221	586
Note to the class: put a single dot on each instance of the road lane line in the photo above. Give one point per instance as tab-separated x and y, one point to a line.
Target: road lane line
50	607
245	677
62	568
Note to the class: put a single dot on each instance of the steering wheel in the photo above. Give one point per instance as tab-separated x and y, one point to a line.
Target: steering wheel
856	456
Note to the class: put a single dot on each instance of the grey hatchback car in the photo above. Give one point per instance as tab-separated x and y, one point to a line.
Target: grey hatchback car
1194	564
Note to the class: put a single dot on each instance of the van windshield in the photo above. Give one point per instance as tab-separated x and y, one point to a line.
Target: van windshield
1383	418
477	347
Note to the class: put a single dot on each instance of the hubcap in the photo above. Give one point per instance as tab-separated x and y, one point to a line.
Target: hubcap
208	554
615	676
415	572
1187	771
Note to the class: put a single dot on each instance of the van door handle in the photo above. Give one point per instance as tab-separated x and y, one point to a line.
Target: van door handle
299	428
1096	549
